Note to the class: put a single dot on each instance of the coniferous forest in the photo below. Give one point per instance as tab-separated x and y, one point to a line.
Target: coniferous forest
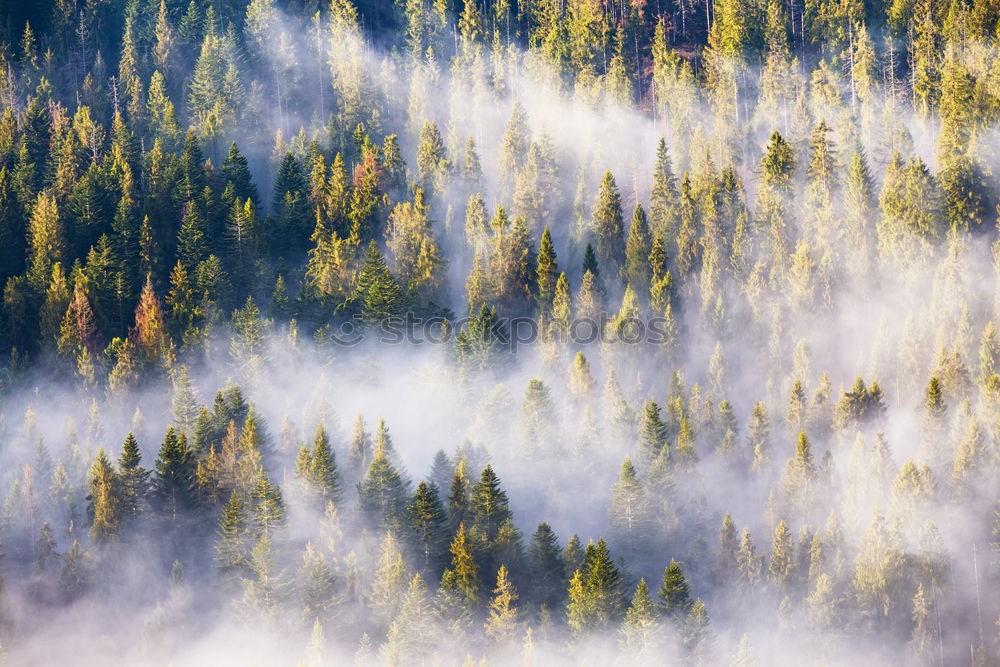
499	332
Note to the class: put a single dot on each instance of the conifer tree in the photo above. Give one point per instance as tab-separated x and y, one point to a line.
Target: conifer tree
608	225
134	480
463	575
174	478
546	568
318	586
319	469
428	527
639	627
663	198
629	513
233	543
594	592
383	492
267	508
411	632
502	622
547	272
638	270
674	596
104	500
489	503
653	437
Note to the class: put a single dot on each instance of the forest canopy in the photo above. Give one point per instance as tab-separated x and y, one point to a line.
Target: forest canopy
499	332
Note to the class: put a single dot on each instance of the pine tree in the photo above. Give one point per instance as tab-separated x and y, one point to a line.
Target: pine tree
46	240
923	633
233	544
675	598
463	575
663	198
267	586
546	568
684	450
728	544
319	469
376	289
134	480
428	528
599	582
174	478
318	586
638	270
458	497
432	161
608	225
641	621
781	565
236	173
360	447
412	631
104	501
547	272
185	406
390	578
653	437
489	503
629	513
695	631
383	492
502	622
267	509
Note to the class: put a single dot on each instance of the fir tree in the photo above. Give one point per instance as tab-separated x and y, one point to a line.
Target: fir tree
674	596
428	527
608	225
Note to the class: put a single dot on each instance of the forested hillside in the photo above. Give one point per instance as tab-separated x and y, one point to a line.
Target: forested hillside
498	332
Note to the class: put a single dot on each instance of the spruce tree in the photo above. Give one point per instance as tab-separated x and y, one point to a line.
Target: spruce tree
134	480
463	574
233	542
638	270
104	501
174	479
547	271
608	225
546	568
502	622
640	623
489	503
383	492
428	528
675	598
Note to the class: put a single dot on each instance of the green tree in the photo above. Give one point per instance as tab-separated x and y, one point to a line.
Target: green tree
317	467
134	480
428	527
547	271
638	270
382	492
608	225
376	289
546	568
489	504
595	598
675	598
233	542
463	575
174	479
